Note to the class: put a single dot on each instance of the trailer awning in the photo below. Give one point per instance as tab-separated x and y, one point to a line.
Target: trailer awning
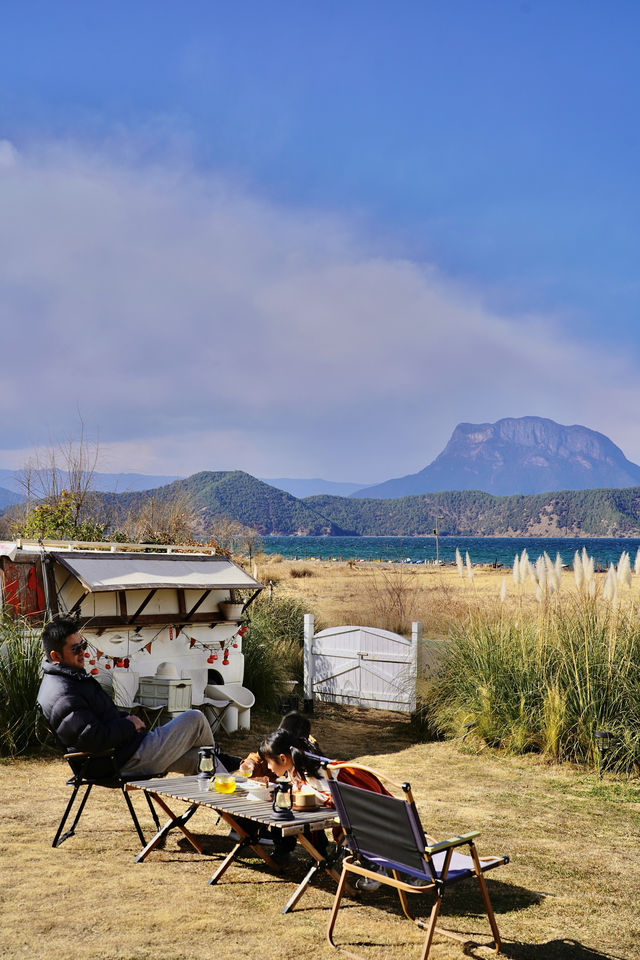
139	571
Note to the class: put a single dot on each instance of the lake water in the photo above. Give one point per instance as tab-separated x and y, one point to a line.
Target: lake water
498	550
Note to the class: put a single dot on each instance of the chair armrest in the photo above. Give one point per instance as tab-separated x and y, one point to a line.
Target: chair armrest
453	842
87	753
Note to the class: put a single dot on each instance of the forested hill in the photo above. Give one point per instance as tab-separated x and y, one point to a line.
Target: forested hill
239	496
594	513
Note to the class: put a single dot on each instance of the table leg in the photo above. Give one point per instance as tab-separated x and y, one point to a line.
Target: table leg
174	821
246	840
321	863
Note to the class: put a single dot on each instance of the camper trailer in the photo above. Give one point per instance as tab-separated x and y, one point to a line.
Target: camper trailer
164	624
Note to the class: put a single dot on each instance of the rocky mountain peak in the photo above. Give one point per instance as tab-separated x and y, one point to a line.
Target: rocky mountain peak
518	455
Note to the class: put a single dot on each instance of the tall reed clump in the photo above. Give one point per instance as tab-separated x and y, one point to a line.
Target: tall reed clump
274	648
392	598
20	675
547	683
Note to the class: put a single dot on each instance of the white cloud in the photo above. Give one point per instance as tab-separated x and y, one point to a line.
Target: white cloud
199	327
8	154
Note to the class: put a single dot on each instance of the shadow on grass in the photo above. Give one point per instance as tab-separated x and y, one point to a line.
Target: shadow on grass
505	899
461	901
464	900
341	731
561	949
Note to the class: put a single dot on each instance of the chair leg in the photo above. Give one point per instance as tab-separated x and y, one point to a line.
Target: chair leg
485	898
213	715
431	929
430	926
336	907
58	839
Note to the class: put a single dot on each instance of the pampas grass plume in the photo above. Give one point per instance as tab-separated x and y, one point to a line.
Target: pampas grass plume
558	568
578	570
624	570
609	589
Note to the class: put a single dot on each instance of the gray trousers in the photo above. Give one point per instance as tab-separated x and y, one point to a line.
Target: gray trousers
173	746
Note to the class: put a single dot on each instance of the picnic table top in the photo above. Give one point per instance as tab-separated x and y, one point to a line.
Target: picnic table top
239	804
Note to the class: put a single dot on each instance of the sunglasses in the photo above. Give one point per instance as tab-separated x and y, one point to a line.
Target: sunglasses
77	648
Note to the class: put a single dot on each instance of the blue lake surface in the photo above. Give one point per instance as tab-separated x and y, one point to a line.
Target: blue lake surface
498	550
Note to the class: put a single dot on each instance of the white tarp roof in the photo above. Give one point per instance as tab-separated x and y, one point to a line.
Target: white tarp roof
135	571
8	549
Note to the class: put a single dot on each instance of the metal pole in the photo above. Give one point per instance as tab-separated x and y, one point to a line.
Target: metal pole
437	541
44	563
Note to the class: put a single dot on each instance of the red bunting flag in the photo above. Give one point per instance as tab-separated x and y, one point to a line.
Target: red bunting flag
99	653
147	647
192	642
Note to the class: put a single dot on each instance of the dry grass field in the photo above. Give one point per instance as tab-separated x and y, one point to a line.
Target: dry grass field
571	891
392	595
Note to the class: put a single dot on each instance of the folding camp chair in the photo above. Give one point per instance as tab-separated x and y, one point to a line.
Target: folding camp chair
96	770
386	831
213	709
124	688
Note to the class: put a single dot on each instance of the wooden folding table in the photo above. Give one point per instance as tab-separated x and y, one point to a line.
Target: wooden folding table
244	814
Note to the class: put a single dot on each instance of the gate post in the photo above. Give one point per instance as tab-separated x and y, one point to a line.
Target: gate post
416	661
309	630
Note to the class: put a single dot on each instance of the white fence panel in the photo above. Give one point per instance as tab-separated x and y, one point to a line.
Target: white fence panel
361	666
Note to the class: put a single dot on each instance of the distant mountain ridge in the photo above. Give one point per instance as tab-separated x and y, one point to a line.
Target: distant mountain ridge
8	498
472	513
517	456
239	496
106	482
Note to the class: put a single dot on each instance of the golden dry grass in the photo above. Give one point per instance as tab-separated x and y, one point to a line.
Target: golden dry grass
571	890
341	593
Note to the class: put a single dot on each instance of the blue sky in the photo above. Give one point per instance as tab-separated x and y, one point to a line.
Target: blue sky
308	239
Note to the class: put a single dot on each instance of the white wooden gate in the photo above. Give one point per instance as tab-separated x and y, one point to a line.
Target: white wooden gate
362	666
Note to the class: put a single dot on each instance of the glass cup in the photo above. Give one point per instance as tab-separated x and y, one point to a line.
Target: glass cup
246	769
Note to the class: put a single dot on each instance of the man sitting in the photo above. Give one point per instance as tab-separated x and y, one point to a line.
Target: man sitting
83	717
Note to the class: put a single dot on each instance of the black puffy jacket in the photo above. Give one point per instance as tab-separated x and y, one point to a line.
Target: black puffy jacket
82	715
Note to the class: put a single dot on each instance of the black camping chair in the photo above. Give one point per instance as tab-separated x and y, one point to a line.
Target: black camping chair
97	770
384	832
